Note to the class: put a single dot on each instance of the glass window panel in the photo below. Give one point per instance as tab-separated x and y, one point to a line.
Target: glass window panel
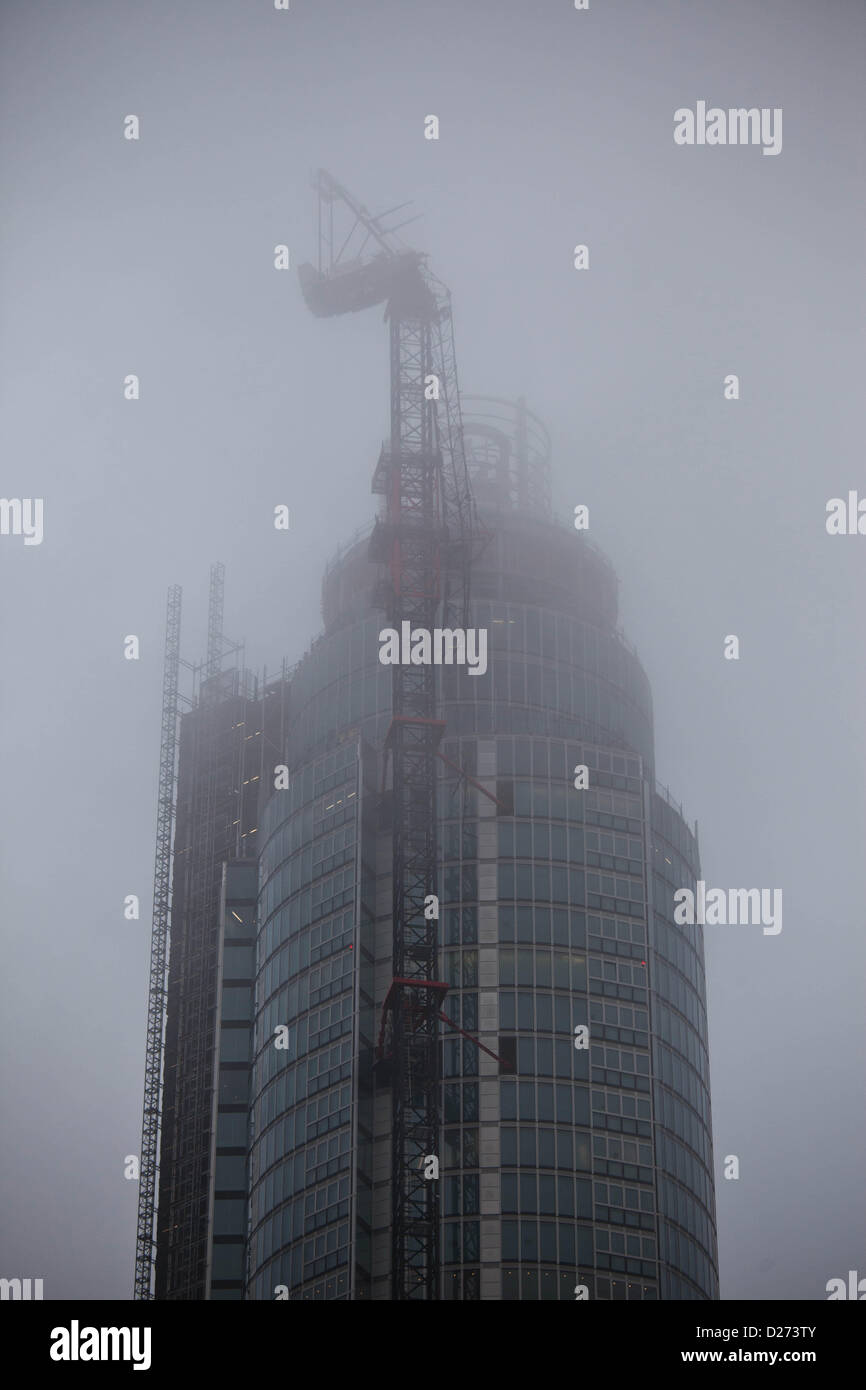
578	971
542	969
506	966
563	1105
470	1148
528	1240
566	1196
452	1242
528	1193
508	1142
564	1149
470	1102
545	1101
452	1196
527	1099
547	1195
581	1105
524	1011
506	1010
527	1147
471	1241
547	1241
566	1243
546	1148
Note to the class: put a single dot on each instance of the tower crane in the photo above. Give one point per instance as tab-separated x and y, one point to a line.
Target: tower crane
428	535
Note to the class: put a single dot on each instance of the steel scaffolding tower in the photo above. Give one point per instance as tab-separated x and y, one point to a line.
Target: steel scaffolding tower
216	604
159	945
427	530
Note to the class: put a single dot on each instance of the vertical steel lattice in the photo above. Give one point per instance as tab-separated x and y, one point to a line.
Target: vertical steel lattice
414	524
216	603
159	946
429	527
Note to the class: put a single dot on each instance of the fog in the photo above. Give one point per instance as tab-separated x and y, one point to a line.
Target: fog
156	257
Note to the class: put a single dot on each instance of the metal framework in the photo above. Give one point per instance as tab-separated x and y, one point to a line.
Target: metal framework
145	1248
216	604
428	531
209	829
212	767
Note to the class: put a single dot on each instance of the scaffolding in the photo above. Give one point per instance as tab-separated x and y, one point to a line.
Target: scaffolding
159	945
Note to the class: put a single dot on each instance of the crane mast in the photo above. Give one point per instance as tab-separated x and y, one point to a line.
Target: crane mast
427	533
145	1245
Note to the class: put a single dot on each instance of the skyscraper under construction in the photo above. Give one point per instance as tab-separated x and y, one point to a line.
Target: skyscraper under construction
561	1167
430	1029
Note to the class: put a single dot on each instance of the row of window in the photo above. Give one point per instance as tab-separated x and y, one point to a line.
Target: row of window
682	953
545	840
546	1194
301	1038
488	717
534	1285
680	1206
553	1242
294	1083
528	1147
670	1069
537	1056
674	1114
674	1158
299	832
303	870
612	1194
541	926
539	882
682	1252
544	969
669	825
540	1012
561	1103
621	1153
621	1112
325	1206
674	1030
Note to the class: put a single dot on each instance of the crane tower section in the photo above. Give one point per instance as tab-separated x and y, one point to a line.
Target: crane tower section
426	535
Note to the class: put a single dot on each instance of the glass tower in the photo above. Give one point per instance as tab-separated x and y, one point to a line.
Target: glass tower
576	1156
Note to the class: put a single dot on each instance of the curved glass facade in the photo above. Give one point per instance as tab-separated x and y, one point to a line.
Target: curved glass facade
570	1166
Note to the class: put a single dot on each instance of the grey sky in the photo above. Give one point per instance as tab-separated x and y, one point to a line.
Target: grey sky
156	257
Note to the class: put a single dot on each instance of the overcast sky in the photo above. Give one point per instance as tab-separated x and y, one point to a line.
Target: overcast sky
155	257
